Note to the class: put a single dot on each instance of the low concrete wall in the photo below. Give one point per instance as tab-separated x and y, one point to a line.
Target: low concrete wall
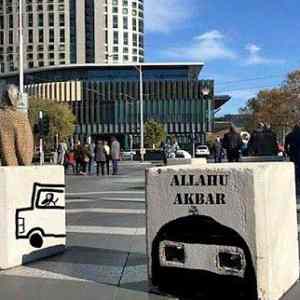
32	213
255	203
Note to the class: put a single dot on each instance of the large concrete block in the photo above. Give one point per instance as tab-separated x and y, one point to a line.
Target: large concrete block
32	213
212	225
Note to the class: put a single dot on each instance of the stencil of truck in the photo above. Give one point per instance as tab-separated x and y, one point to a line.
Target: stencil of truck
46	216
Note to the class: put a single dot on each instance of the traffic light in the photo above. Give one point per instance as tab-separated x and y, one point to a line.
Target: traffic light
43	126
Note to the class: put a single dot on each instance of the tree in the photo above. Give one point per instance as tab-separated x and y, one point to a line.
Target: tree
279	107
154	133
61	118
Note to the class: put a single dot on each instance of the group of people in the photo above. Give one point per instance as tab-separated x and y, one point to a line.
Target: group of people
263	142
82	157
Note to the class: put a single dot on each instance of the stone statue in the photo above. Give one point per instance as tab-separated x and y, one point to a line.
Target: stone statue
16	139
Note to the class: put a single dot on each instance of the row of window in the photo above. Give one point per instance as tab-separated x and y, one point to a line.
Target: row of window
116	23
125	3
41	36
135	41
116	49
40	20
11	66
125	11
116	57
30	8
30	56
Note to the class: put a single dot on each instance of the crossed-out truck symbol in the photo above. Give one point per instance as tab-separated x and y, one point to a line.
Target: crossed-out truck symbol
46	216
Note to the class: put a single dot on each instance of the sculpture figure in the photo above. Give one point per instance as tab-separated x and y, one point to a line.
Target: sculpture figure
16	139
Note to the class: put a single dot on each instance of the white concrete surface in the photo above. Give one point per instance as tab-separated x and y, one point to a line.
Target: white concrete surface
32	201
257	200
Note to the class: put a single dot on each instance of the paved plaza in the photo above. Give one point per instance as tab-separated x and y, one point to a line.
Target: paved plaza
106	248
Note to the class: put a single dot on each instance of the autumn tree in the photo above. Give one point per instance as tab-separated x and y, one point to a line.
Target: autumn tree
61	118
154	133
279	107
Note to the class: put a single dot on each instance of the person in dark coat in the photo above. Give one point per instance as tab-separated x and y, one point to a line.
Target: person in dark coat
232	142
292	148
100	157
263	141
218	150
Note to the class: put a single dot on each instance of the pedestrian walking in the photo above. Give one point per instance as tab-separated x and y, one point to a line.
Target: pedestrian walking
91	161
115	155
232	142
218	150
100	157
263	141
78	157
70	161
292	148
61	151
86	155
107	154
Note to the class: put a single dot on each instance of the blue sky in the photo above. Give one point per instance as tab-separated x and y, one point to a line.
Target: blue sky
245	45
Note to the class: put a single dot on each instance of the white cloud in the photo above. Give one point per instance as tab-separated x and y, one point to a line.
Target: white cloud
208	46
255	57
165	15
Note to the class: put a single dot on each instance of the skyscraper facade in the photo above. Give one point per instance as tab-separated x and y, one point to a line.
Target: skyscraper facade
59	32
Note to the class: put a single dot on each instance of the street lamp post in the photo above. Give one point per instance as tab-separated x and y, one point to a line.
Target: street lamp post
142	150
21	70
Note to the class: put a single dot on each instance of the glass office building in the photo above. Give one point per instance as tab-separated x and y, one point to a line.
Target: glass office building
106	98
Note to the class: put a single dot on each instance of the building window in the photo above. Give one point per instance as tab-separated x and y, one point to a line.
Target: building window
30	36
51	20
10	21
51	55
40	20
134	27
51	35
116	37
61	20
115	9
1	22
134	39
40	47
115	21
40	55
62	36
41	36
1	37
115	49
41	63
30	64
125	22
61	55
11	37
125	37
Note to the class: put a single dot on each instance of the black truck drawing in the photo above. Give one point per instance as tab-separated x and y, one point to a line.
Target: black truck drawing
45	217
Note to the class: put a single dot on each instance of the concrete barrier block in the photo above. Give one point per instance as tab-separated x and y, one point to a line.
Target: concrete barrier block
178	161
196	161
234	222
32	213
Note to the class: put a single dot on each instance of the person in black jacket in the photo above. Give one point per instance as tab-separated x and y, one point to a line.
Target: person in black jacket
292	148
263	141
232	142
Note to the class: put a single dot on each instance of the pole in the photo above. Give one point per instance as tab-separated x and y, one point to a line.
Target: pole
193	137
21	67
41	139
142	150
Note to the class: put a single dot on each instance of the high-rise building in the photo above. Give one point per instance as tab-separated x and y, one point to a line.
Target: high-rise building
58	32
